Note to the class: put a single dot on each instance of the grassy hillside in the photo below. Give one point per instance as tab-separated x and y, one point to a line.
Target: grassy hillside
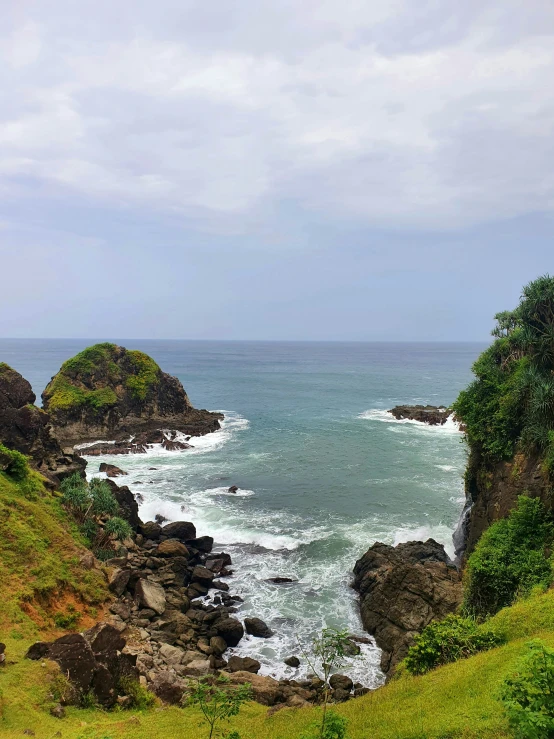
457	700
43	587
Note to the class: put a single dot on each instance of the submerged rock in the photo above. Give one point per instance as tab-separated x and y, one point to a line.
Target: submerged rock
111	470
257	627
402	589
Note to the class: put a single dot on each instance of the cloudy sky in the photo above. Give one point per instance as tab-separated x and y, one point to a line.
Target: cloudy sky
273	169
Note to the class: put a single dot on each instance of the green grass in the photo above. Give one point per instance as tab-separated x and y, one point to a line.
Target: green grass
146	374
40	547
459	700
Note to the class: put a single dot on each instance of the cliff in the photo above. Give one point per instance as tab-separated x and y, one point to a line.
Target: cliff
111	392
27	429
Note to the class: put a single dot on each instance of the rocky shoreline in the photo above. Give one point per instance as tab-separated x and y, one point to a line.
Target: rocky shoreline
430	414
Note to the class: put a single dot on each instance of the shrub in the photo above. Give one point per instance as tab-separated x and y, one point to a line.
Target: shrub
15	464
528	695
141	698
509	559
446	641
103	499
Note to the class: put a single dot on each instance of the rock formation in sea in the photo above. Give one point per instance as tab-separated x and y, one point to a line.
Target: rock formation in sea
27	429
109	392
430	414
402	589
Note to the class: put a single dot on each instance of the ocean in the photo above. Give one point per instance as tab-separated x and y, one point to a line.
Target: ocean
323	471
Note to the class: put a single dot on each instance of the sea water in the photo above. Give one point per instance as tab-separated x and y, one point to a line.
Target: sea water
323	470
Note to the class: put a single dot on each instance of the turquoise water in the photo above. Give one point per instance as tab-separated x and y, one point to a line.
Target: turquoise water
323	470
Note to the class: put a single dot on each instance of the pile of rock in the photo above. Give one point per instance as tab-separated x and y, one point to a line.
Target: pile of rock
430	414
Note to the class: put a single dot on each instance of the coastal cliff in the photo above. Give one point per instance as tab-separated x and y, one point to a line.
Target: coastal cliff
111	392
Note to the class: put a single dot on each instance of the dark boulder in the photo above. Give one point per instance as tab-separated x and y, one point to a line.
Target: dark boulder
111	470
342	682
233	489
203	544
151	530
257	627
182	530
168	687
75	657
243	664
430	414
231	630
292	661
402	589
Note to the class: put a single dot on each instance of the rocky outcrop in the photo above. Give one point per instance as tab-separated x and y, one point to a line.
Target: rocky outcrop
93	662
431	414
110	392
27	429
402	589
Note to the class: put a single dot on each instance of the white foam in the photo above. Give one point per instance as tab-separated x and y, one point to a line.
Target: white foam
446	467
442	534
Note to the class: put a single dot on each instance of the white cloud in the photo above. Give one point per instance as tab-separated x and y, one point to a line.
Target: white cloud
406	113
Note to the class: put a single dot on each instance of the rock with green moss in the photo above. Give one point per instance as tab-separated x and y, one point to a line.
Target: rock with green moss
108	391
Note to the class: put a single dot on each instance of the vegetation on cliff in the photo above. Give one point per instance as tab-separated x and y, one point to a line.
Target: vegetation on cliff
511	403
74	385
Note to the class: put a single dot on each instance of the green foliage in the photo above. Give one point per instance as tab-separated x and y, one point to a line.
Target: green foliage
67	620
17	463
63	394
218	701
528	694
447	641
333	728
510	559
146	374
118	528
102	497
512	399
141	698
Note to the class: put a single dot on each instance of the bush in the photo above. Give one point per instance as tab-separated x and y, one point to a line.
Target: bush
103	499
446	641
528	695
15	464
509	559
141	698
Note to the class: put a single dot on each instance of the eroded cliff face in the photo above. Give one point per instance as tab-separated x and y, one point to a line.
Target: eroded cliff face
27	429
492	489
109	392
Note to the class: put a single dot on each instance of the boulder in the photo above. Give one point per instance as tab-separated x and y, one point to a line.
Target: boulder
198	668
111	470
128	505
150	530
118	580
233	489
204	544
231	630
257	627
172	548
182	530
265	690
292	661
202	575
168	687
104	639
74	655
218	644
280	580
150	595
171	655
341	682
243	664
402	589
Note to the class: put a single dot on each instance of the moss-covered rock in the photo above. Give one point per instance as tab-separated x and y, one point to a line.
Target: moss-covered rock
107	390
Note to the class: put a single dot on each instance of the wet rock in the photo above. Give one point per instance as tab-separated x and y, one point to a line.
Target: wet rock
231	630
182	530
430	414
151	530
202	575
280	580
233	489
172	548
111	470
203	544
341	682
257	627
150	595
243	664
292	661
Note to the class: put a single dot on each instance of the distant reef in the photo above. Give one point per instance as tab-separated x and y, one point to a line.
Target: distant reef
109	392
430	414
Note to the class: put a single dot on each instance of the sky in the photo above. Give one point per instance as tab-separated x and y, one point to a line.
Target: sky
273	169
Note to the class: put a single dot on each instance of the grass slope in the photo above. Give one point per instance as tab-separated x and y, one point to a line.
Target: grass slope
42	583
455	701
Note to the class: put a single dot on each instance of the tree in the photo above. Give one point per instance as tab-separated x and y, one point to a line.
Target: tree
218	701
331	650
